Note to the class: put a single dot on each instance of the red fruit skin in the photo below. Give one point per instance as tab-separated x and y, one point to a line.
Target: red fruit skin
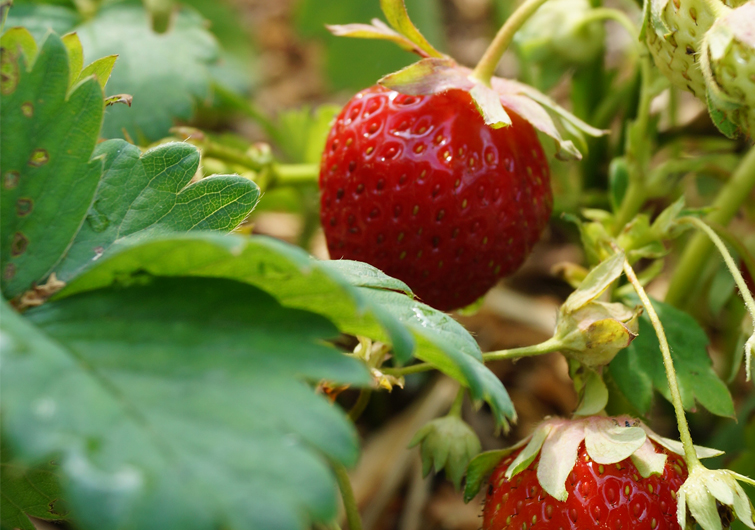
421	188
616	498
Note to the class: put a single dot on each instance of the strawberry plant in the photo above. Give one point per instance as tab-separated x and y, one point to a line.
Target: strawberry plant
173	355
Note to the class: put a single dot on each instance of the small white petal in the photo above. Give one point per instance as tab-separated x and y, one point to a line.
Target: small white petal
648	461
529	453
742	506
608	443
557	458
720	486
676	447
681	507
702	505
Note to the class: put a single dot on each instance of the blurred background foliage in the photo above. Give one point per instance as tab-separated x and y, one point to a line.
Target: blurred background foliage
262	79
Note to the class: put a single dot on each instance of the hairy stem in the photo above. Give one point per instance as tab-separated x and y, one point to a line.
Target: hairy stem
548	346
486	67
690	455
347	493
697	251
733	269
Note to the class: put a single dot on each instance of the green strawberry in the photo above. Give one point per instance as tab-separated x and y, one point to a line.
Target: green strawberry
729	58
674	31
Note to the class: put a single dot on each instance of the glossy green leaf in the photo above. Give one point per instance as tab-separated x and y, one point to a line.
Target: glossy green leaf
299	281
168	414
48	179
638	369
166	73
150	193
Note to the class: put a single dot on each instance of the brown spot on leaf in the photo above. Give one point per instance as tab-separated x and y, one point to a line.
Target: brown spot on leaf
10	180
39	157
24	206
9	272
19	244
9	74
27	109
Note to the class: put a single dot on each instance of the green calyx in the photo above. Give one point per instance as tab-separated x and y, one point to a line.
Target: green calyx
728	60
447	443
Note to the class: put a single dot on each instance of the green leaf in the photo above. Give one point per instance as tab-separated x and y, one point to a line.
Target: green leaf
166	73
150	193
168	414
355	63
40	19
360	274
48	179
75	56
100	69
19	41
28	491
398	17
481	466
638	369
299	281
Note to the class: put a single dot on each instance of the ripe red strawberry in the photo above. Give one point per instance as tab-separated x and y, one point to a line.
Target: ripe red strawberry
421	188
610	497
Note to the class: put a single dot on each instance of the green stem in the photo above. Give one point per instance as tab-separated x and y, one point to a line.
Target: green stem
486	67
229	154
246	107
458	402
697	251
690	455
733	269
637	152
607	13
294	174
548	346
361	404
347	493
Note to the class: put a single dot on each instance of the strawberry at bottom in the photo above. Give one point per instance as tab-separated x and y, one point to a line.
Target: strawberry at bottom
610	497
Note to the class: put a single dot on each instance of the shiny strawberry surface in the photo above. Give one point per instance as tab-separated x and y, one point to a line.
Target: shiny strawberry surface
421	188
601	497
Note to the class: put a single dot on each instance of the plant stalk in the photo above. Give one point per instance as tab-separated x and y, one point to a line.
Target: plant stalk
744	291
458	402
347	493
697	251
486	67
637	152
548	346
690	455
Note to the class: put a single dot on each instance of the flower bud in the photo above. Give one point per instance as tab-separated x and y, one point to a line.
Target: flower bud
447	443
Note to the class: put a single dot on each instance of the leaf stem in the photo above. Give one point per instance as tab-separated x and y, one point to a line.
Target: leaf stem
697	251
734	269
347	493
486	67
548	346
690	454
